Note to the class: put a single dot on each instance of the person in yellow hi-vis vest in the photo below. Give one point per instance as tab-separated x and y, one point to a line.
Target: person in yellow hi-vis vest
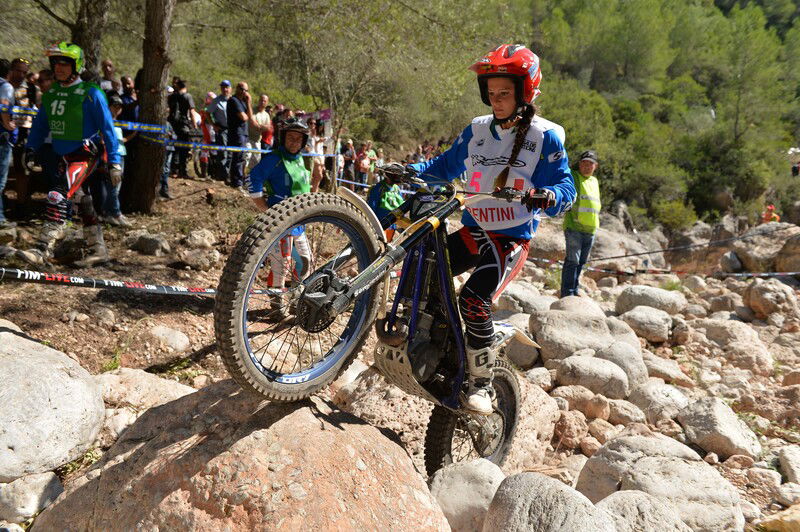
581	223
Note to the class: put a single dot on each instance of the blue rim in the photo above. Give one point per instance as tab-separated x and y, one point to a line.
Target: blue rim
350	334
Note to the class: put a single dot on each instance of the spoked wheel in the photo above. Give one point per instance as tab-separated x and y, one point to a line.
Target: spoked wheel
272	339
458	436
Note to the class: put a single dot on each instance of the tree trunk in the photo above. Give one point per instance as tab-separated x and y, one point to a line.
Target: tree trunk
139	193
87	31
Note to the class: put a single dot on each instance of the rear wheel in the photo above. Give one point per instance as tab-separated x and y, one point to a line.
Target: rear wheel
272	340
459	436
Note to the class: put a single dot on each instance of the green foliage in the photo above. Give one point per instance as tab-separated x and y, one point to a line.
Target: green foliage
674	214
673	284
690	104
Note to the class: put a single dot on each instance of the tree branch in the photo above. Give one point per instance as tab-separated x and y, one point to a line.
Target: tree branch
129	30
50	12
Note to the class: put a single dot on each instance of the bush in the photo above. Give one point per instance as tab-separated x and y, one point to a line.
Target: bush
674	214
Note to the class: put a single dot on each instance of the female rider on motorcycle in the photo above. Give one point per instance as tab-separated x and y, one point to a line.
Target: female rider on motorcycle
512	147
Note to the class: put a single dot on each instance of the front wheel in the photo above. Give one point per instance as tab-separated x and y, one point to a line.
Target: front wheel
458	436
270	339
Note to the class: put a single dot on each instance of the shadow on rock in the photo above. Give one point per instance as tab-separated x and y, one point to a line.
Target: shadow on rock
222	457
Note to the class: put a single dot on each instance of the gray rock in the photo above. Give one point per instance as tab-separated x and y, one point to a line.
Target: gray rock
201	239
25	497
540	377
579	305
695	283
714	427
57	408
519	296
464	491
789	458
750	356
658	400
671	302
562	403
537	503
725	332
561	333
143	242
637	511
170	338
622	332
759	250
608	282
5	324
666	369
788	494
650	323
750	511
622	412
668	471
627	358
127	393
600	376
770	296
199	259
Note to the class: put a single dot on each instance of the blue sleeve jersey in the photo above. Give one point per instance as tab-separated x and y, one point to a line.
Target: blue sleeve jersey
483	150
97	123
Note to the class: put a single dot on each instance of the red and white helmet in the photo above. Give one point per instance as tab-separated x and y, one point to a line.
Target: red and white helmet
511	61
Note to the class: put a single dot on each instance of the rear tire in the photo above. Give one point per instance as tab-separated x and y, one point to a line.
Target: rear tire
444	425
231	303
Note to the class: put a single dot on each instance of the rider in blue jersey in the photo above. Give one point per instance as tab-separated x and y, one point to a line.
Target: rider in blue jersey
280	175
512	147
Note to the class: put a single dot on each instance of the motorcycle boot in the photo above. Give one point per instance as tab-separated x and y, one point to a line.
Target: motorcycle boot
98	253
480	393
42	250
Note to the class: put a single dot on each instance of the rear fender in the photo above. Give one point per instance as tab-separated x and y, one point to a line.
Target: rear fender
506	332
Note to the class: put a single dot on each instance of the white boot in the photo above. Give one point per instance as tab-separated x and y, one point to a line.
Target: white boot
480	393
97	247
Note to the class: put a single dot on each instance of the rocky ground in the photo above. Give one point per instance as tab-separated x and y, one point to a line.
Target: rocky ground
656	402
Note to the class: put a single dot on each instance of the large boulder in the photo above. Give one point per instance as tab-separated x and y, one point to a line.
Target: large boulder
600	376
711	424
52	412
766	297
665	368
224	459
562	332
464	491
622	412
127	393
761	245
725	332
627	358
637	511
789	457
532	502
519	296
670	472
25	497
579	305
692	255
535	423
670	301
658	400
788	259
650	323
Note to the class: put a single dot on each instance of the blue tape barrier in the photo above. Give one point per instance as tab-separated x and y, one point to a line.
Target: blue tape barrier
215	147
133	126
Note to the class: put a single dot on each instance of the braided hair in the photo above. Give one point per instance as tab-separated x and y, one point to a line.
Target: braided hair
524	124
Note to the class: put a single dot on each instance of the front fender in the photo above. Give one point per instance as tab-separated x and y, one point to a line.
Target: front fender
368	213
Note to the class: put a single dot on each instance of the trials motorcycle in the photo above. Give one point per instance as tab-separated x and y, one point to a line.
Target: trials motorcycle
310	276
